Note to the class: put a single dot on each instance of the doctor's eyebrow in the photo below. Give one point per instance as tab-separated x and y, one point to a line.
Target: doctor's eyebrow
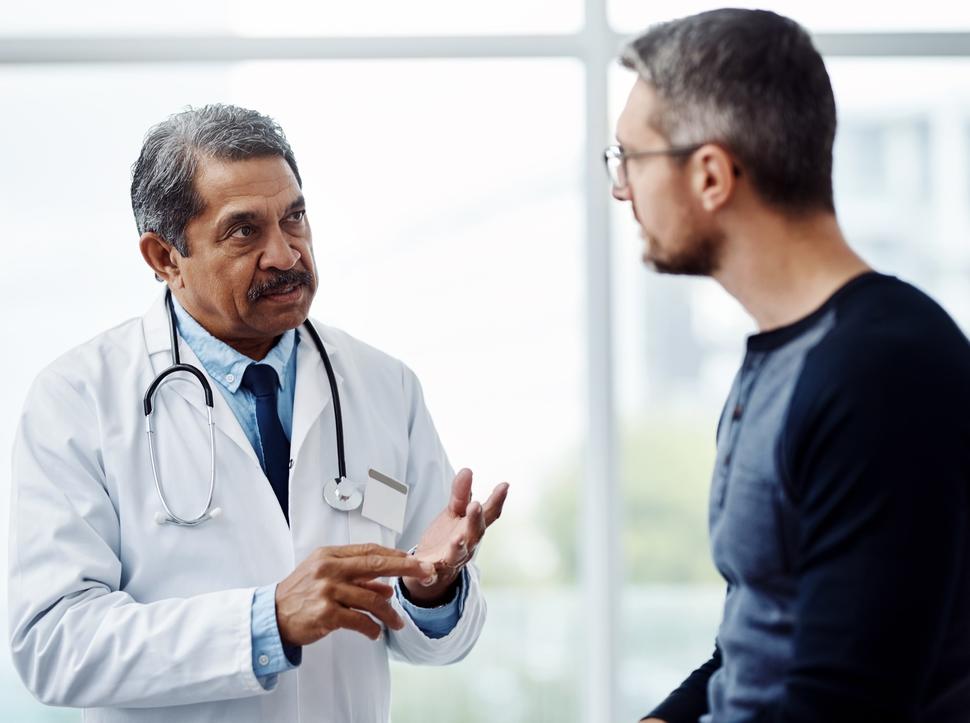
249	216
298	204
238	217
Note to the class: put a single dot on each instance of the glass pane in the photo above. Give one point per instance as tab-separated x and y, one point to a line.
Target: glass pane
440	240
902	194
902	186
291	18
634	16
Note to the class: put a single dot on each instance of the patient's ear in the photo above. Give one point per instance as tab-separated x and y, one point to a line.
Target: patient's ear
713	176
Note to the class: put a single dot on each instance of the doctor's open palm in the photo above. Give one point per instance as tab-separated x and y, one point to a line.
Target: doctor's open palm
450	540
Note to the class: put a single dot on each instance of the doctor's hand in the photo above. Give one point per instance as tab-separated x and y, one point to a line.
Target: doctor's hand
451	538
335	586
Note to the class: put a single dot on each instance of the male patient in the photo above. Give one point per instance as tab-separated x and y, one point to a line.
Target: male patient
839	500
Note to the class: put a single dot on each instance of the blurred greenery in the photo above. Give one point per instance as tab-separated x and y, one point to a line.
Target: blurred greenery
665	463
665	481
665	467
527	666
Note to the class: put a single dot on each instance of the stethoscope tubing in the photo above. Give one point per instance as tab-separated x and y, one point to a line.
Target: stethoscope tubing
177	366
207	511
335	396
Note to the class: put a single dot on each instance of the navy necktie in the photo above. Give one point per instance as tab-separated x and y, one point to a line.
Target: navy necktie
261	380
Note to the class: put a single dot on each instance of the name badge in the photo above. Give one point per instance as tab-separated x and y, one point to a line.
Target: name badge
385	501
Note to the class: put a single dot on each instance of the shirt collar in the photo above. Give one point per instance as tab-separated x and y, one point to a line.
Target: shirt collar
221	361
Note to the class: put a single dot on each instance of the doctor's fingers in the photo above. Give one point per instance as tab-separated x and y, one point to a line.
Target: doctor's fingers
379	587
359	598
492	508
353	620
493	505
461	492
371	566
367	560
359	550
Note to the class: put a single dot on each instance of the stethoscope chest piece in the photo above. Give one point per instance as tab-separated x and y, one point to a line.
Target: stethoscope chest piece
343	494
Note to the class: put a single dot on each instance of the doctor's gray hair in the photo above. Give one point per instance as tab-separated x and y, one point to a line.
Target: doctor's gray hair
163	195
753	82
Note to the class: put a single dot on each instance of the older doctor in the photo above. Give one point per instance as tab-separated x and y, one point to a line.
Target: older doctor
282	607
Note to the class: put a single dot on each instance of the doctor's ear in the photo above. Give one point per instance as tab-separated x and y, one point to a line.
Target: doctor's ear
161	256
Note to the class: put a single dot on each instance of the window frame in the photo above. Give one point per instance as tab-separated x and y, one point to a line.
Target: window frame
594	45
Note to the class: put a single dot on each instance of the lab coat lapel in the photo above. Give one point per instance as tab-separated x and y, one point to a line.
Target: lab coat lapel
312	394
158	343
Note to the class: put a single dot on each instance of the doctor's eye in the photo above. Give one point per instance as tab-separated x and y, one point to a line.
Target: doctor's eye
244	231
297	216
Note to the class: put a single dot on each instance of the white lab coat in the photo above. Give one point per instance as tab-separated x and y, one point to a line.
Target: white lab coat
136	621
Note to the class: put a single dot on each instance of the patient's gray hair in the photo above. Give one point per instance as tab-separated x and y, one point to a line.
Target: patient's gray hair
163	196
753	82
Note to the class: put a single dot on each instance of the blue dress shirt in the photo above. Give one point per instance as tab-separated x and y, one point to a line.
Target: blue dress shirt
226	366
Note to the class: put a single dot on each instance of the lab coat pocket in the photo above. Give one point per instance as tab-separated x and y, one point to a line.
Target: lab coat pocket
363	530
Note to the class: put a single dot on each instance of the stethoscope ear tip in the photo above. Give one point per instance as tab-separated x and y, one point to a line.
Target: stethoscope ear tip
160	518
215	512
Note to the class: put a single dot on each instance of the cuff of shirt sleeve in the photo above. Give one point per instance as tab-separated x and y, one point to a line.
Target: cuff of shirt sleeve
438	621
270	656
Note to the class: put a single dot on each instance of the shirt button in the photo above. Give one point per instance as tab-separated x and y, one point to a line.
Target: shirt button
263	660
230	378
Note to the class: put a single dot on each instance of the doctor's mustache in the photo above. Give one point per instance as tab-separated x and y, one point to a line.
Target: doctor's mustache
280	281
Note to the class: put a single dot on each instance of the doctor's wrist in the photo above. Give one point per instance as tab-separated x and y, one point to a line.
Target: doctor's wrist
430	596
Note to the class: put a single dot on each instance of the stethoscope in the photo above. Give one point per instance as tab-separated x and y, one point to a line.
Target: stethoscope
343	497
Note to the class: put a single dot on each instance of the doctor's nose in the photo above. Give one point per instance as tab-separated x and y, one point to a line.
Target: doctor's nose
278	253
